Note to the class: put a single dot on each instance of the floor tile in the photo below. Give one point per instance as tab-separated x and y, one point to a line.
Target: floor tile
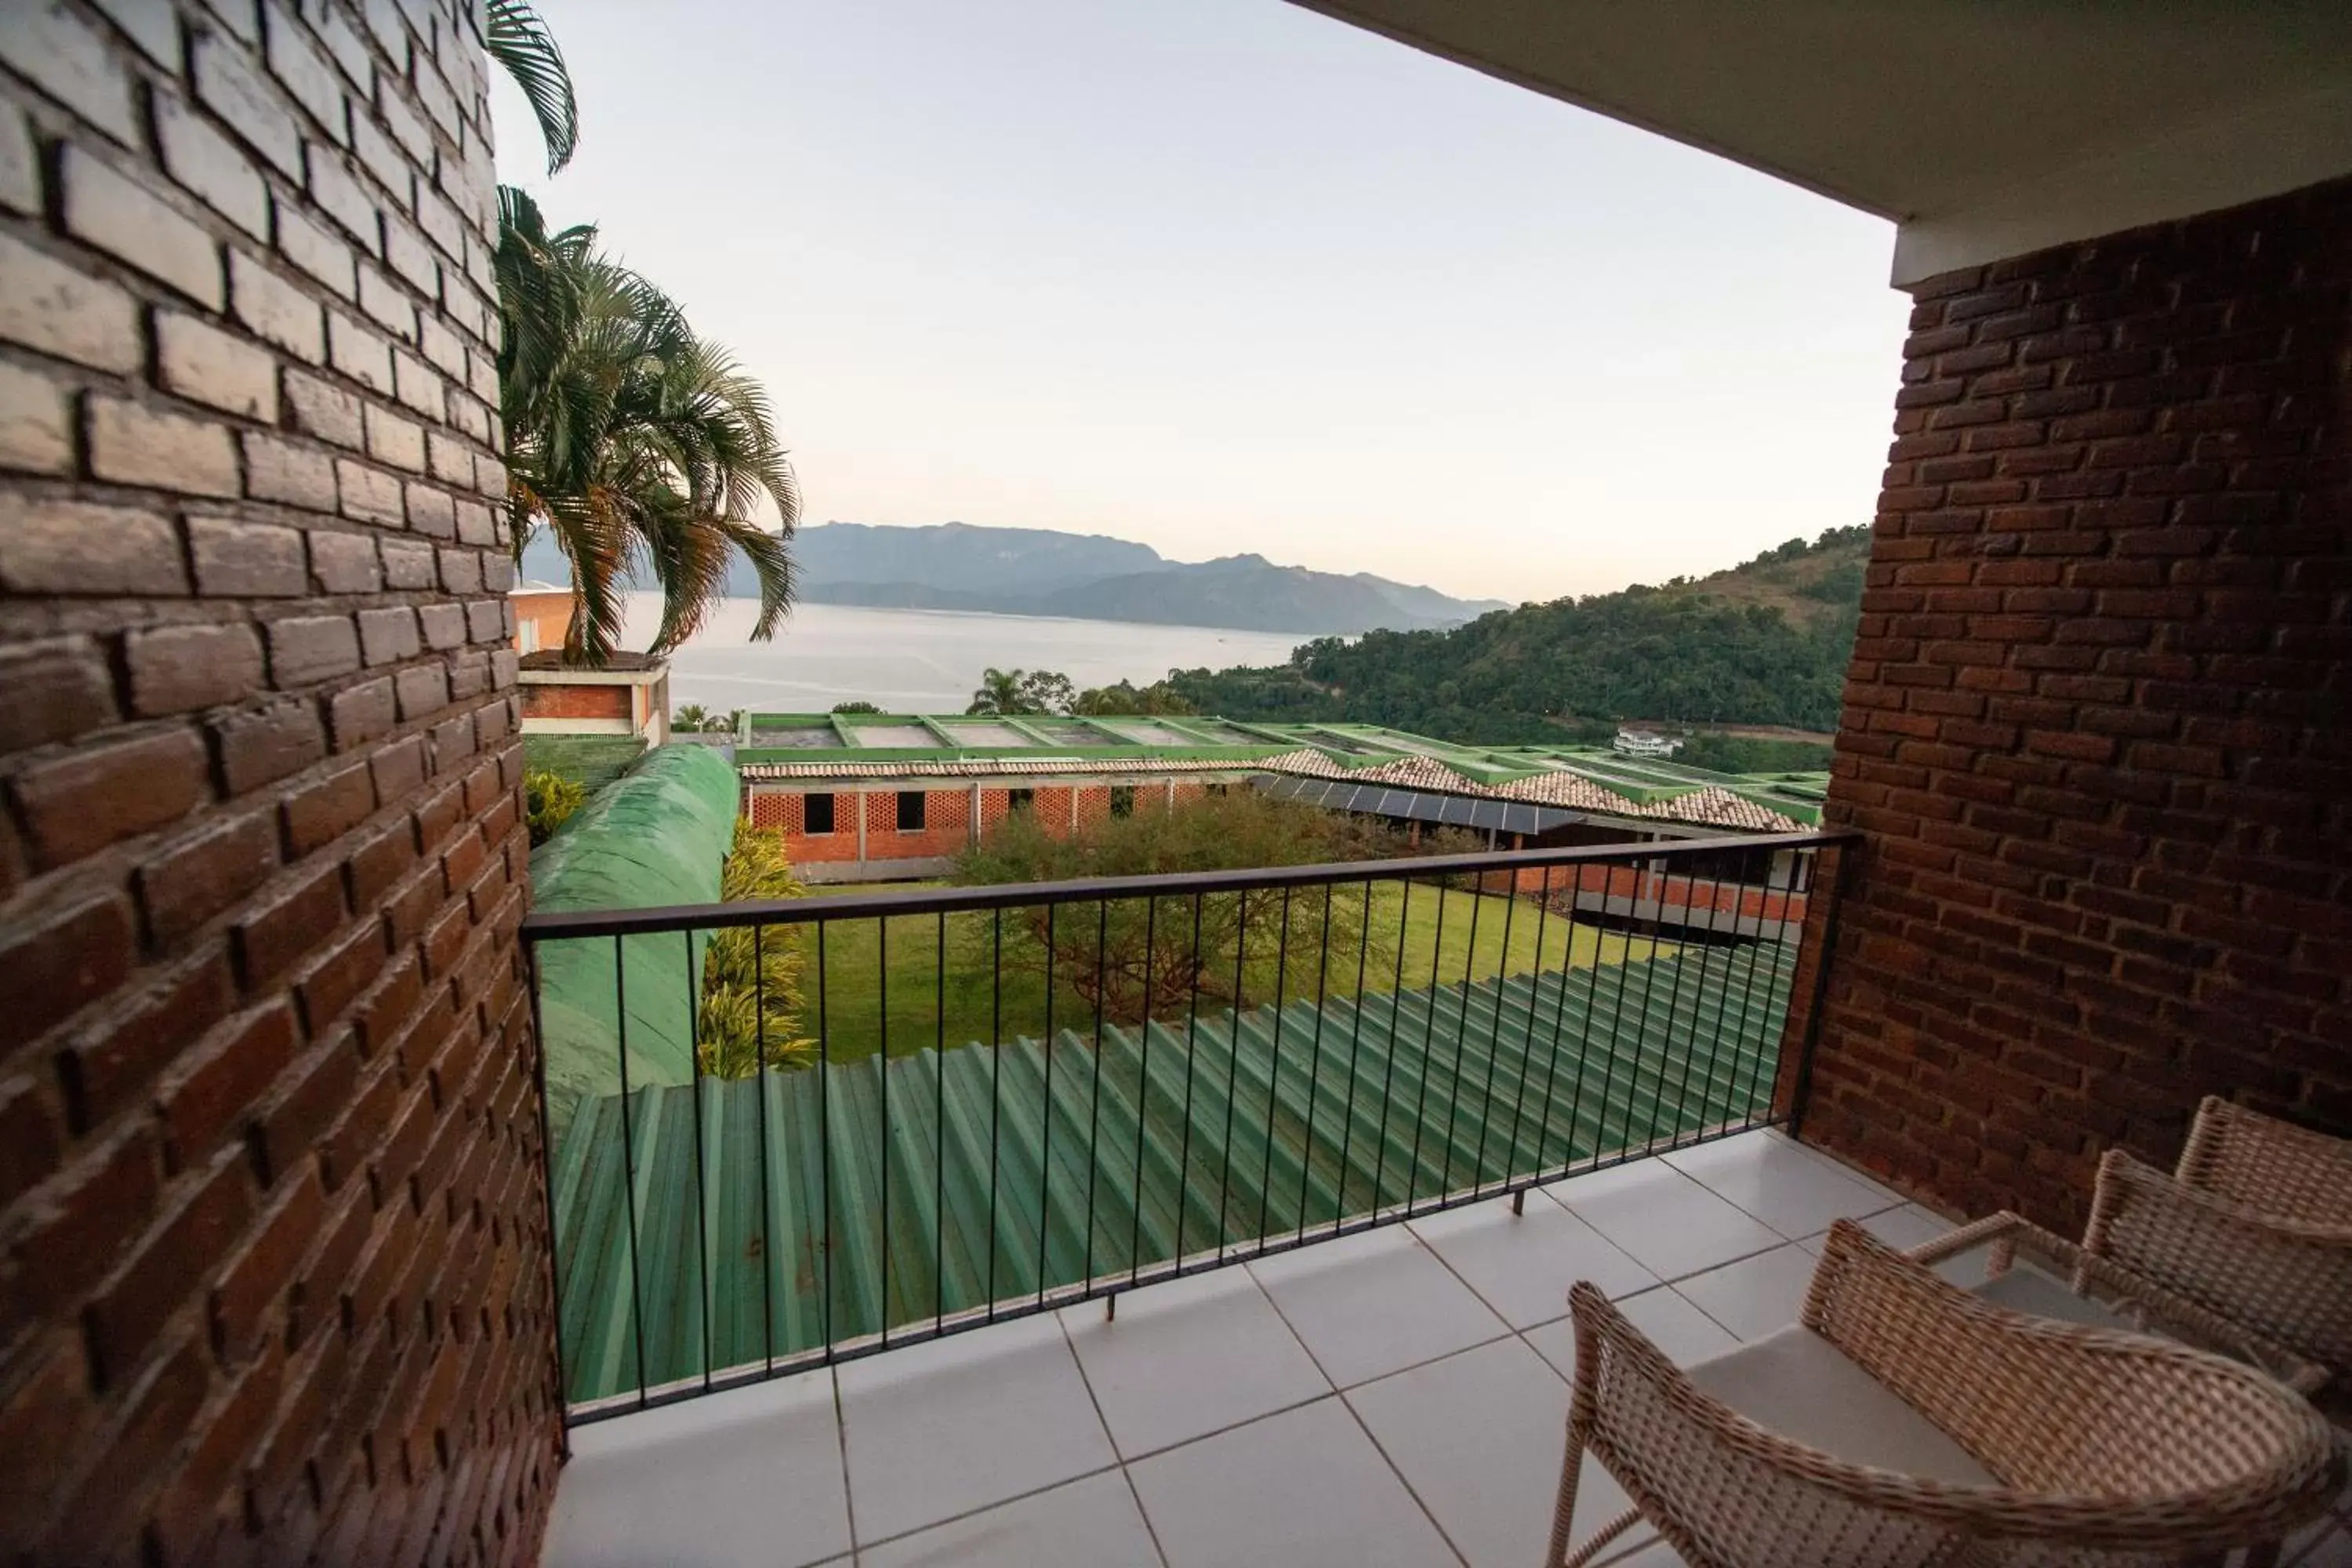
940	1429
1091	1523
751	1475
1789	1188
1522	1265
1190	1357
1756	1295
1304	1488
1685	1333
1670	1223
1478	1438
1374	1304
1887	1196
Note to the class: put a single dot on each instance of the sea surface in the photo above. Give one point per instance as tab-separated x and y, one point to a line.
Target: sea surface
923	661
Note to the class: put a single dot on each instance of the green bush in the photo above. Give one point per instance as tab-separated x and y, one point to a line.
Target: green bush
1117	957
549	801
751	979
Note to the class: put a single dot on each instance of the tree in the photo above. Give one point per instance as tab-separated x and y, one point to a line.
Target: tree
752	976
692	717
640	446
1046	692
520	43
1132	952
998	692
1123	698
855	707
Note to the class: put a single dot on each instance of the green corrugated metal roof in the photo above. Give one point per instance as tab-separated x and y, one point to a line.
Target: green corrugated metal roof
1478	1082
655	837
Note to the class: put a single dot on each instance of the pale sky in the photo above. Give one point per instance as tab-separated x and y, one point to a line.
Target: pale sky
1226	275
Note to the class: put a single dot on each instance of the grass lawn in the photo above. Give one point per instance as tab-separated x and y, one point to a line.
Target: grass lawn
975	1009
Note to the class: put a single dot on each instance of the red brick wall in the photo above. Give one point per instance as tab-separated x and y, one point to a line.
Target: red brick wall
575	701
946	814
2098	727
271	1245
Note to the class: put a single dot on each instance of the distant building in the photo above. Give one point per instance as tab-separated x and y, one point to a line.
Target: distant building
628	695
543	616
1645	743
870	796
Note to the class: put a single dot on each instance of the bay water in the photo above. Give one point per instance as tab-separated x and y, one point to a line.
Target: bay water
923	661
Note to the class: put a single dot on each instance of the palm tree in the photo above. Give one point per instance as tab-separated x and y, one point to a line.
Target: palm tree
999	693
693	717
520	42
640	446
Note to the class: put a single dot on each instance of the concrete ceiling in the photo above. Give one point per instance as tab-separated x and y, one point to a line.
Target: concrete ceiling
1985	128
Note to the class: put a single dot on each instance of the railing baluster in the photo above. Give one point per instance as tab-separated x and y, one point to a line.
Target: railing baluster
1753	1056
1274	1067
768	1249
1315	1062
1534	997
1094	1107
995	1088
1683	948
1617	1021
701	1152
940	1127
825	1148
1045	1117
1355	1048
629	1164
1584	1034
1461	1038
1191	1050
1142	1096
1428	1044
1388	1073
1233	1070
1495	1037
882	1046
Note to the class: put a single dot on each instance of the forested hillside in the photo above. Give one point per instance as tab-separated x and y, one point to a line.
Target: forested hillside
1764	643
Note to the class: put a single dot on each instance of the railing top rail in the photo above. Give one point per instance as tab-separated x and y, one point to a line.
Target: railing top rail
551	925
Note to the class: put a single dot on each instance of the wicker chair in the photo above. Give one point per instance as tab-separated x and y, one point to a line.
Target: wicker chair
1905	1422
2255	1224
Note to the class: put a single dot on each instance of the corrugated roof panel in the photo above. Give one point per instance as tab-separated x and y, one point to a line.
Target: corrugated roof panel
776	1240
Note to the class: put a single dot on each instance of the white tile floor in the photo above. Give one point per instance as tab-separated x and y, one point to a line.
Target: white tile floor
1397	1397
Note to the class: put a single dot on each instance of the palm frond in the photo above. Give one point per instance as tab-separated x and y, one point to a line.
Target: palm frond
520	42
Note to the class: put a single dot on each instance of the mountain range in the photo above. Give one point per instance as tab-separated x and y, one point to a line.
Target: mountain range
1042	572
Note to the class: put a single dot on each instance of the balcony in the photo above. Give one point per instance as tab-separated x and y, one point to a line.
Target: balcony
1291	1214
1261	1255
1397	1396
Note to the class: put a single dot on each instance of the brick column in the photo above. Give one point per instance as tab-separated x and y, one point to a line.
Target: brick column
275	1280
2098	728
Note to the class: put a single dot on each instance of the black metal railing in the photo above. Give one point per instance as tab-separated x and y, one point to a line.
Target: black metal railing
943	1107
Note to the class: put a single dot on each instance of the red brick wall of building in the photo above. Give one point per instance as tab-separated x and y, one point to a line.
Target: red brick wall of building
575	701
947	827
272	1249
2098	727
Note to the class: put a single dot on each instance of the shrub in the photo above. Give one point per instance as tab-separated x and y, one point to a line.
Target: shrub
1116	958
549	801
751	979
